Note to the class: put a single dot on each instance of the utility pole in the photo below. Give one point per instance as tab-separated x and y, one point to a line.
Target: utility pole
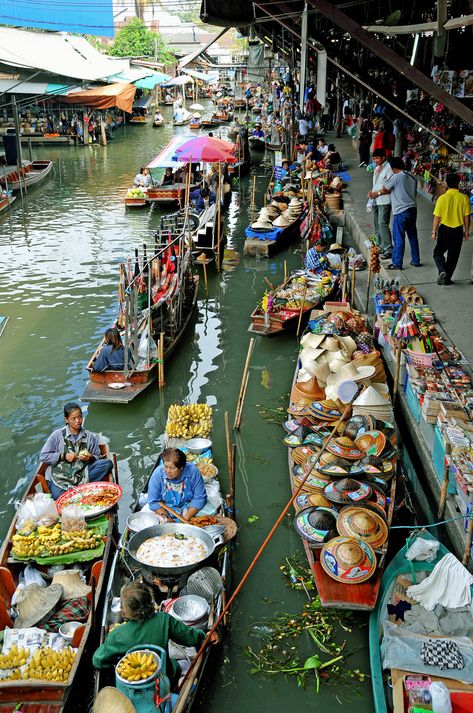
302	78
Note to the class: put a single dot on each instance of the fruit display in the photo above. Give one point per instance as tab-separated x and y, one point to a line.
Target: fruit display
137	666
375	264
135	193
49	665
206	469
189	421
14	658
45	664
52	541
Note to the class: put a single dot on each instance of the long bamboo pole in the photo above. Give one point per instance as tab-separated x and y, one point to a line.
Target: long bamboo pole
219	214
267	540
204	267
368	288
227	440
443	491
353	281
244	383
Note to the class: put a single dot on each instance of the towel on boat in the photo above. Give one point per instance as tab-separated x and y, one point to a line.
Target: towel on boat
449	585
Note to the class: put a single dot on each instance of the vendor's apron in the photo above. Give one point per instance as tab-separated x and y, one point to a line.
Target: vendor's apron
64	474
177	495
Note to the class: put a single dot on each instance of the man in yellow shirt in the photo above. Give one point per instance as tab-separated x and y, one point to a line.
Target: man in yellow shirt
451	225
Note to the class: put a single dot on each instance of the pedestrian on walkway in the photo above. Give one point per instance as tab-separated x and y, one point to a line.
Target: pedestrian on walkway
451	226
403	189
364	136
381	202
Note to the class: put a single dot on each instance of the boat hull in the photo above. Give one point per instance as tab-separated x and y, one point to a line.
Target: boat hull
98	390
257	144
31	174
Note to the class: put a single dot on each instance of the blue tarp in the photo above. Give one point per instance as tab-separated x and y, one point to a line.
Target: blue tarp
79	16
270	235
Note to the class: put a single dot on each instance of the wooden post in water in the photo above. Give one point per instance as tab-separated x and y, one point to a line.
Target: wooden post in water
161	360
253	201
243	386
285	270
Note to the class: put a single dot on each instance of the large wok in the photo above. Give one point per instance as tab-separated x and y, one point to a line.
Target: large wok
168	529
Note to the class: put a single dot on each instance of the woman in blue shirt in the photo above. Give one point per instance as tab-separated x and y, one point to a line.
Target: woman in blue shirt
112	355
177	484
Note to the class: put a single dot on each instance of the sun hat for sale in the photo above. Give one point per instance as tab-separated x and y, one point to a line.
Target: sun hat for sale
371	442
347	491
281	222
35	604
312	340
344	447
263	225
364	524
338	468
316	524
305	500
348	560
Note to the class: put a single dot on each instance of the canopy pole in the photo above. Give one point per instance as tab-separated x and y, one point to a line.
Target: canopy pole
304	30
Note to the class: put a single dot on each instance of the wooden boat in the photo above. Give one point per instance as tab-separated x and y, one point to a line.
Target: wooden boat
174	192
389	695
239	103
37	695
224	116
29	175
257	143
124	570
256	243
158	122
182	122
170	317
195	125
139	119
281	318
208	122
274	147
257	109
358	597
6	199
135	202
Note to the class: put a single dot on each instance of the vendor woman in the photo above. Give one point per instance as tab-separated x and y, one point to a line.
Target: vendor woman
146	627
177	484
72	454
112	354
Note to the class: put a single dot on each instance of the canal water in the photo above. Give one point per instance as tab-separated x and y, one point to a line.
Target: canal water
60	250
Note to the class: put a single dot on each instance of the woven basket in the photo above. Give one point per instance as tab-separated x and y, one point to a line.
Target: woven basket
333	200
231	528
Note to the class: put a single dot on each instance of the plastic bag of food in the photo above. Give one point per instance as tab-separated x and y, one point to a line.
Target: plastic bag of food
441	701
72	519
40	509
29	575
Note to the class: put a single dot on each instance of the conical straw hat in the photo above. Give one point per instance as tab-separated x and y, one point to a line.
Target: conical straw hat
72	584
281	222
370	397
312	340
35	604
111	700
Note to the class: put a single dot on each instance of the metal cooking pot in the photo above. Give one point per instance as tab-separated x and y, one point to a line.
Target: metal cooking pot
169	529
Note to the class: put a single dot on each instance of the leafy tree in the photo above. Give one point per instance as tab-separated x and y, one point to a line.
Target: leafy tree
135	40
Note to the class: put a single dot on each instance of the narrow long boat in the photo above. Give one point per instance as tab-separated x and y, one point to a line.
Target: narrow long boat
166	158
158	122
360	596
257	143
287	310
6	199
389	688
139	120
38	695
29	175
124	570
170	316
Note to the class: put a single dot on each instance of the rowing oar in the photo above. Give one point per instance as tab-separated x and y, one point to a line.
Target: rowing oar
267	540
173	513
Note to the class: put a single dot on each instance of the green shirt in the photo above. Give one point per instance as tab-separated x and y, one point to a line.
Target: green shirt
157	632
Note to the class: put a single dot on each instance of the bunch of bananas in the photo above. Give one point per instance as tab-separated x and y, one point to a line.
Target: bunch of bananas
52	541
49	665
137	666
189	421
14	658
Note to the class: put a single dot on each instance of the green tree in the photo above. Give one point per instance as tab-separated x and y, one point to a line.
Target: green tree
135	40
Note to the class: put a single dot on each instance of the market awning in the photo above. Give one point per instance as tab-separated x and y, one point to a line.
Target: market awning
211	77
16	86
119	95
178	81
56	53
193	55
152	81
142	102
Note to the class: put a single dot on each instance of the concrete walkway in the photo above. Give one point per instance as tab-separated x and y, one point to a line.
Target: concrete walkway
453	304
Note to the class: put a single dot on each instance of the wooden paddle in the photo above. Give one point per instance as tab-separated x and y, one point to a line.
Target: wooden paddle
172	512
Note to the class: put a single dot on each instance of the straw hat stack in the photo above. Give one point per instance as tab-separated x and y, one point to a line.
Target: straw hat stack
374	401
111	700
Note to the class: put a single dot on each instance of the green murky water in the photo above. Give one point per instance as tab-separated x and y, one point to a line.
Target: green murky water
60	251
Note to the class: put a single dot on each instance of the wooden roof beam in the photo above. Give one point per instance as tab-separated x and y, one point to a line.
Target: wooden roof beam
401	65
455	23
